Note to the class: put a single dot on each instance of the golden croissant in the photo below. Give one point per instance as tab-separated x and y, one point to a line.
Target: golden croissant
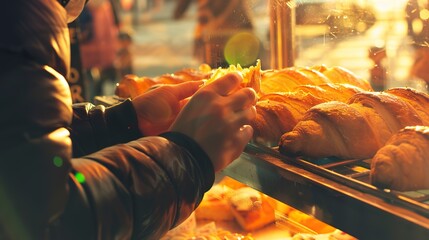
402	163
279	112
356	129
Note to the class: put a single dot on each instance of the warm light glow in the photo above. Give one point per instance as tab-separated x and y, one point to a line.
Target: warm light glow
383	6
424	14
242	48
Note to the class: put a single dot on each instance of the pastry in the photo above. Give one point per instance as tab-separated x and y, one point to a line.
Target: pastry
418	99
279	112
251	209
339	74
352	130
402	163
214	205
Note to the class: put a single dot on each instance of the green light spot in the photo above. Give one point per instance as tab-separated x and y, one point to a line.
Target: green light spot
242	48
58	161
80	177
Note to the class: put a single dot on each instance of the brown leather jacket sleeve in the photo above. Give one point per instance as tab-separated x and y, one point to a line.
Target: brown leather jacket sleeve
137	189
96	127
151	183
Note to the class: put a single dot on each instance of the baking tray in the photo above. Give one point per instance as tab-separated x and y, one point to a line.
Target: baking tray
354	174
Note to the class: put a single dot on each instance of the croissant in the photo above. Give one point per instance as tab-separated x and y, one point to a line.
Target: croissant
419	100
290	107
287	79
278	113
316	76
330	91
352	130
339	74
403	163
131	86
283	80
334	129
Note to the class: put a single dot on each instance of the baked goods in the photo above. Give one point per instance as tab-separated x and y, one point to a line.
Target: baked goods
279	112
131	85
286	79
208	231
334	235
403	163
339	74
262	81
419	100
230	200
330	91
251	209
352	130
214	205
283	80
251	75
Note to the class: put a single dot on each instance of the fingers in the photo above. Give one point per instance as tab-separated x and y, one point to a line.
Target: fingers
186	89
243	117
242	99
245	134
226	84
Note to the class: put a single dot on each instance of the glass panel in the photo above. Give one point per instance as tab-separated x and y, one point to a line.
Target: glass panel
382	41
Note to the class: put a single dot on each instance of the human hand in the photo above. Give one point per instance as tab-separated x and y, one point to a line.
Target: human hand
217	118
158	108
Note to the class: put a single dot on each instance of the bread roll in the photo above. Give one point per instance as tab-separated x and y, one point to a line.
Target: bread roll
403	163
352	130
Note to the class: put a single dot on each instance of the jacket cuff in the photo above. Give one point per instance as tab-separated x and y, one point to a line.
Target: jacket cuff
200	157
121	120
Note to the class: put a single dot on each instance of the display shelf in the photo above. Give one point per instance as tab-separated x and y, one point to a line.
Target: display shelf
360	213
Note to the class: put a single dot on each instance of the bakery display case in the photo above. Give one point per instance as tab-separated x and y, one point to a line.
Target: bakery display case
366	56
335	193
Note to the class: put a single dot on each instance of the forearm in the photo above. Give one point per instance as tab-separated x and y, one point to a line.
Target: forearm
97	127
151	182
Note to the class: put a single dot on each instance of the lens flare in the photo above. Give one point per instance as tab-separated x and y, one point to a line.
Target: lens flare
242	48
80	177
58	161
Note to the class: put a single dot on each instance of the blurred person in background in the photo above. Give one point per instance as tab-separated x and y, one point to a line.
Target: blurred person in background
224	32
78	171
417	16
124	61
99	45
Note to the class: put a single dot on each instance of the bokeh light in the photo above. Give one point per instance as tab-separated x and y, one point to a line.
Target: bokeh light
242	48
80	177
58	161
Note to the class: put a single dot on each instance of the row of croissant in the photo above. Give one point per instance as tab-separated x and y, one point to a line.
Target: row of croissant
321	112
